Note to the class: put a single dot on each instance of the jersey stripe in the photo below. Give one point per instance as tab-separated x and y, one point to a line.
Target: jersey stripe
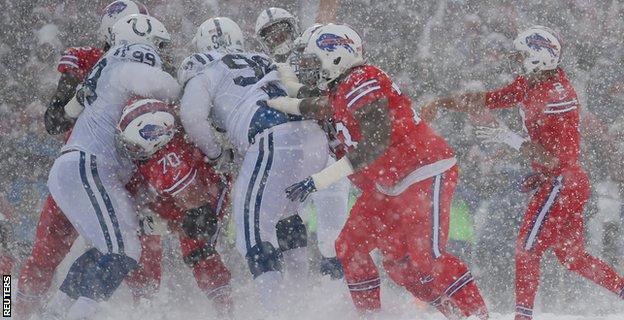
365	285
561	107
551	111
359	96
188	178
68	63
365	84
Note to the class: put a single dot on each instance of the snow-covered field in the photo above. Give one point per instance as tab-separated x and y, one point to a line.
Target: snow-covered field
179	298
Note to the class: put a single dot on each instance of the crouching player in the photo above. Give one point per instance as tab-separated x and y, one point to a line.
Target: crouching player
181	188
407	174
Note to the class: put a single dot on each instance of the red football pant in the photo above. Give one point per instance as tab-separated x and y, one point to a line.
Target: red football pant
413	224
212	276
554	219
53	240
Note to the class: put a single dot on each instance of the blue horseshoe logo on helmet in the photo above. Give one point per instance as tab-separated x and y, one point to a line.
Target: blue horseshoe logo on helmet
134	27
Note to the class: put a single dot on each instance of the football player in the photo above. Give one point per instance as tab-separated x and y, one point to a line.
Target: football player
554	217
407	174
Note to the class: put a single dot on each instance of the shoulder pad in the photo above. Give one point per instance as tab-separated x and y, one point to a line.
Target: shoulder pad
136	53
194	65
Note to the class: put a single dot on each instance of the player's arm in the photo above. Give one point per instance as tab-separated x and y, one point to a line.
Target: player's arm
505	97
195	109
314	108
55	119
375	127
149	82
535	152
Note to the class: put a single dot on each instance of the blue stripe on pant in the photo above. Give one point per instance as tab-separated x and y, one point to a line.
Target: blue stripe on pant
108	204
248	194
94	203
263	181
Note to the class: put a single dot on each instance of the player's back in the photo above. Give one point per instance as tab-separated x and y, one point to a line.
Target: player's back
124	72
413	144
238	85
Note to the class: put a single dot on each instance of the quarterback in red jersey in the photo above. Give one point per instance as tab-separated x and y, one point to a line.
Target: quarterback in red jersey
554	217
407	174
55	235
181	188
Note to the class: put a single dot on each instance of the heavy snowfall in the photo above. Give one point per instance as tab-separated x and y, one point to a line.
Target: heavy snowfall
430	49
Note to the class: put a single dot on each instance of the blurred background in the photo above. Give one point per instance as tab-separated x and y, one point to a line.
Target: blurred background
430	48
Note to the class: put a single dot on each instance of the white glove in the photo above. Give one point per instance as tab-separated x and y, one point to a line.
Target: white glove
286	105
500	134
73	108
289	79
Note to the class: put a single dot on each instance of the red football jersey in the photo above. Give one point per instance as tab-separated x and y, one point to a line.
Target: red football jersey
413	143
551	116
79	61
175	168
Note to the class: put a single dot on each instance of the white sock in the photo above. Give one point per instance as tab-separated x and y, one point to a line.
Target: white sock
296	268
83	308
269	286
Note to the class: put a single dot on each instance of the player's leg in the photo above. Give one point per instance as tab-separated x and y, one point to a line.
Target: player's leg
95	201
212	276
537	234
353	246
570	247
331	213
144	281
54	237
428	203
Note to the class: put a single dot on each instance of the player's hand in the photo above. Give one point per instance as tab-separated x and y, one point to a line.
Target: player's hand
532	181
429	112
301	190
289	79
499	134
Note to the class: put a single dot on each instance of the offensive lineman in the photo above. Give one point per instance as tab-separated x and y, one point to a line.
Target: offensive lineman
182	188
554	217
230	91
407	174
55	234
278	32
88	180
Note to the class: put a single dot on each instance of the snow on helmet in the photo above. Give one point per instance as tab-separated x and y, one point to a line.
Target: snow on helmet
140	28
540	48
115	11
146	125
276	30
331	51
221	33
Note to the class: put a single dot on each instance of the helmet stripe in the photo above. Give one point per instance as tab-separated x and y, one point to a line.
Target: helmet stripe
218	25
149	107
270	14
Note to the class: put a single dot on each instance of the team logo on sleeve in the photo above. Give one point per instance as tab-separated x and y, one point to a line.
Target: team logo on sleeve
538	42
330	42
152	132
116	8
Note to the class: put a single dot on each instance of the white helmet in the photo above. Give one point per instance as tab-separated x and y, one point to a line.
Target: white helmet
140	28
540	49
115	11
331	51
299	46
146	125
276	30
221	34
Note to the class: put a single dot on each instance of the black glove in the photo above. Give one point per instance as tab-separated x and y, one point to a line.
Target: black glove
200	222
55	120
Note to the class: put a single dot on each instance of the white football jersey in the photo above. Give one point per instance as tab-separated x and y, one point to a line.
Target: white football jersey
124	72
226	90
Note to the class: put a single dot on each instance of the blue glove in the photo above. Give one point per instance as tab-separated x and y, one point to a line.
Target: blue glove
301	190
